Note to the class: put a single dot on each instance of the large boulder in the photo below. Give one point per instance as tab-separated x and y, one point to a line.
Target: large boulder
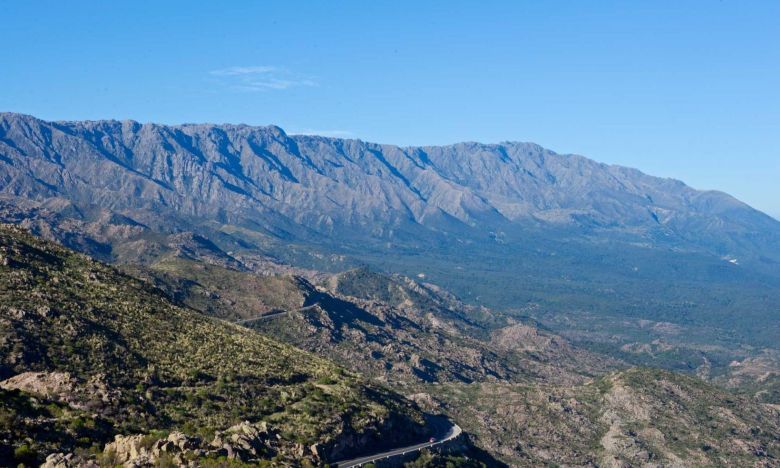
129	450
245	441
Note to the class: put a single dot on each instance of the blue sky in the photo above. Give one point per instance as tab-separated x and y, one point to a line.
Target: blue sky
689	90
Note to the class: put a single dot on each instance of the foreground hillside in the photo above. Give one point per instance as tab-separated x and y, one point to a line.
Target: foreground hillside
87	353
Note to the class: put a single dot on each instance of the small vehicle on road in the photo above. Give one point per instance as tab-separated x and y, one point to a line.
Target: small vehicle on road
432	440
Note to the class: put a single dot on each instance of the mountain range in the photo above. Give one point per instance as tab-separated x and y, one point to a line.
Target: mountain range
307	185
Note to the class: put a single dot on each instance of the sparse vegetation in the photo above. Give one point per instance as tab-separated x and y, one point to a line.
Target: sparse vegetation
635	416
428	459
143	364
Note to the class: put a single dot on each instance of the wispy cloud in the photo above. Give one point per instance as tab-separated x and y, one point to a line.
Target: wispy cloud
260	78
325	133
235	71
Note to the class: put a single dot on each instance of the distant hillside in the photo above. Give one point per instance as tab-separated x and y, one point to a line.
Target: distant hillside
87	353
389	327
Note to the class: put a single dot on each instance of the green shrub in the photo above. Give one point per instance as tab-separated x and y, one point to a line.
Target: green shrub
327	380
26	455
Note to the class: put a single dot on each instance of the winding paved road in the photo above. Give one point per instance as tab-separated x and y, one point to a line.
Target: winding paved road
445	434
444	429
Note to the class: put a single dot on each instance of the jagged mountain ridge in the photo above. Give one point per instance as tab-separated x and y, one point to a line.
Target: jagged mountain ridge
303	186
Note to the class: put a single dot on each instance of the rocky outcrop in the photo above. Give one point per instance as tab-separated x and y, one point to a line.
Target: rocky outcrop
244	442
93	394
129	450
55	385
68	460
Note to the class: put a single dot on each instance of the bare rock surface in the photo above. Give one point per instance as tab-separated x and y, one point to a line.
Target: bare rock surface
48	384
